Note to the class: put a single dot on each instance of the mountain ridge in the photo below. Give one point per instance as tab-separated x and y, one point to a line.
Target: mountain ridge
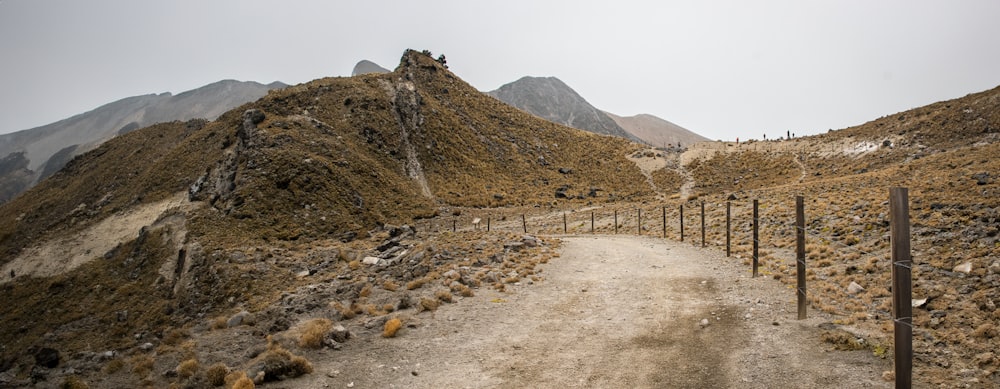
551	99
71	136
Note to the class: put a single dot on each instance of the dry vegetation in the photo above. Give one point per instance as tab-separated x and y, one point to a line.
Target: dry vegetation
298	210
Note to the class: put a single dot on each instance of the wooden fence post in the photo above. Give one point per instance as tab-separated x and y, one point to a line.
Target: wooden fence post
902	308
591	222
682	222
756	240
524	224
616	222
702	224
454	224
728	230
487	224
800	255
664	222
639	228
565	228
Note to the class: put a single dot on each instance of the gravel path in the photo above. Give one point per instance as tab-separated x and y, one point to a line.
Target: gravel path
613	311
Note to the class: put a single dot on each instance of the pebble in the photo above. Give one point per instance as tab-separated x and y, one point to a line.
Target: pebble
703	323
963	268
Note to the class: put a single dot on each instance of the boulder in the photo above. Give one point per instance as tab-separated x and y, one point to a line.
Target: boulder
47	357
854	288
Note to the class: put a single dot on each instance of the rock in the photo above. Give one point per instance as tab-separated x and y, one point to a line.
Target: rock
530	241
237	319
982	178
854	288
339	334
561	192
370	260
731	197
963	268
146	346
513	246
47	357
565	170
918	303
302	274
255	116
703	323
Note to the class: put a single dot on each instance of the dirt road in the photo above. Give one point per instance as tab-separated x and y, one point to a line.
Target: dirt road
613	312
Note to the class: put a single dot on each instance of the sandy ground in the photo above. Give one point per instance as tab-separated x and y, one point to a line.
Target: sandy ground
63	254
613	311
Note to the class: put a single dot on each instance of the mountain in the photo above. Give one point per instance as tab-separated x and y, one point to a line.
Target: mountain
551	99
322	212
365	66
165	232
31	155
655	131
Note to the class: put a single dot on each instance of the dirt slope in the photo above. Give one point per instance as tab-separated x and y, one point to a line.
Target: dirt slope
614	311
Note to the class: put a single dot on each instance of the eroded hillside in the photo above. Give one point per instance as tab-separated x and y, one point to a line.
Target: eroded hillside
293	191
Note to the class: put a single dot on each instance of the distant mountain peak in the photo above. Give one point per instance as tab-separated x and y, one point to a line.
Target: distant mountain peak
365	66
551	99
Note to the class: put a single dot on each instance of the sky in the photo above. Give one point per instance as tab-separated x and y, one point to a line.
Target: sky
723	69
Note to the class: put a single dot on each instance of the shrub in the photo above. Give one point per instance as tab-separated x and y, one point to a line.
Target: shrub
239	380
390	286
313	332
142	365
216	374
187	369
74	382
428	304
391	327
444	296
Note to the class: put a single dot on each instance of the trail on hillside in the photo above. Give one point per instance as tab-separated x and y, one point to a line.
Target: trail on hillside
620	311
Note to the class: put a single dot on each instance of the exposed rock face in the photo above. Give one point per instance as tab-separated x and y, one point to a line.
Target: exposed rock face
553	100
49	147
656	131
365	66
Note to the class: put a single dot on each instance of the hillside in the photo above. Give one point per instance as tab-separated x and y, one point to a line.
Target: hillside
551	99
321	215
655	131
34	154
164	229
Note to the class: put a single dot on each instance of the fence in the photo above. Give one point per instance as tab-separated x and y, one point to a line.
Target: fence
631	221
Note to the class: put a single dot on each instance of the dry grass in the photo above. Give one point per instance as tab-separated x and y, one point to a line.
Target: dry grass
239	380
216	374
74	382
313	332
187	368
444	296
392	326
428	304
390	285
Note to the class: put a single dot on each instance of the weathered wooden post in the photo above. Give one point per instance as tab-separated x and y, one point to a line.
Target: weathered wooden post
639	227
488	224
664	222
902	308
728	230
524	224
616	222
756	240
702	224
682	222
591	222
454	224
800	255
565	228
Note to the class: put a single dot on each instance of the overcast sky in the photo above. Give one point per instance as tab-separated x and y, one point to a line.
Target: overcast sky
723	69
